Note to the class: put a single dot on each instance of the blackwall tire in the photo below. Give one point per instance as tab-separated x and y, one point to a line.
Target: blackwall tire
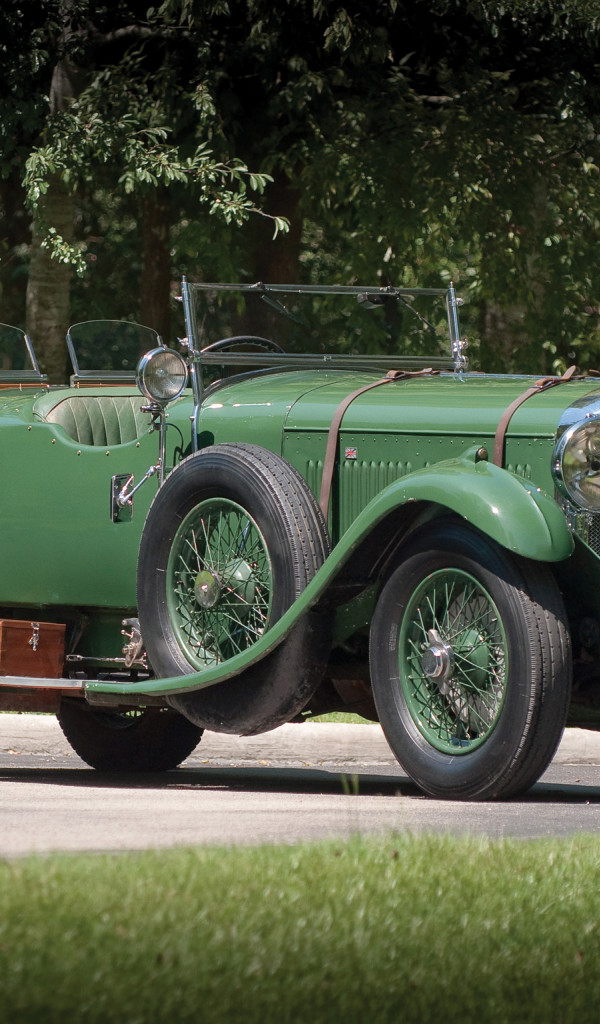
233	536
470	665
148	740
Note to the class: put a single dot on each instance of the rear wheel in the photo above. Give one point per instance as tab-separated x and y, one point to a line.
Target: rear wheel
232	538
470	665
142	740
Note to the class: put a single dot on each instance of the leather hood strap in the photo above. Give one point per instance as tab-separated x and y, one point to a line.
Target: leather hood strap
540	385
334	429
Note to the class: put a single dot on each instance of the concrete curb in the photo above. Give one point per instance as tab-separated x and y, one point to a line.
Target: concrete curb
305	743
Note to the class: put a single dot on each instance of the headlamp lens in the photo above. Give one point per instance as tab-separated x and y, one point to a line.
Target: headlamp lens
576	464
162	375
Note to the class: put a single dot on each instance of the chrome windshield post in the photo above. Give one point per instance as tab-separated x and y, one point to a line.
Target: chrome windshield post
189	312
458	345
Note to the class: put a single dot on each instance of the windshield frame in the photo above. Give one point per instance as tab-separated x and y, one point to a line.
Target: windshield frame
27	376
199	357
99	375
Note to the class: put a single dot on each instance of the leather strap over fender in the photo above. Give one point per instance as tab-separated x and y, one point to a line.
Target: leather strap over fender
543	384
334	429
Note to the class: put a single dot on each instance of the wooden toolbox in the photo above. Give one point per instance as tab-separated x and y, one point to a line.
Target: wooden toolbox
31	648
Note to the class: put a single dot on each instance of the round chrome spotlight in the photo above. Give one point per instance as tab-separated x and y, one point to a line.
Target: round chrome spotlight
161	375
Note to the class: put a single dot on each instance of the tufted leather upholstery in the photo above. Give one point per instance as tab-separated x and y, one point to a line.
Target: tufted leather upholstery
100	419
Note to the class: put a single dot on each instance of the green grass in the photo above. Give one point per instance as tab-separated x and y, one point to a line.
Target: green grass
342	716
403	929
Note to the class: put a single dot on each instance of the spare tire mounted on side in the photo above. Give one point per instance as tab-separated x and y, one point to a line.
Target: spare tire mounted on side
231	540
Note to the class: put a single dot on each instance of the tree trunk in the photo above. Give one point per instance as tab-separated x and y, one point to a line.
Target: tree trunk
156	262
277	261
515	323
49	284
501	335
48	287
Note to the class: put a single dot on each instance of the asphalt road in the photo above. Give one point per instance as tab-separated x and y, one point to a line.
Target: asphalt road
301	782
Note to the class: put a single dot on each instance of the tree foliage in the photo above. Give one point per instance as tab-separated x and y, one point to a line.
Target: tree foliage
409	141
426	140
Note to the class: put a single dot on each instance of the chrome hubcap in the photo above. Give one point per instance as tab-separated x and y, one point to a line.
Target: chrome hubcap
437	660
207	589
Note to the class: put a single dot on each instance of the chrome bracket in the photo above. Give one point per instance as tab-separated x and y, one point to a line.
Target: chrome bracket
461	363
134	652
458	345
34	639
134	655
121	493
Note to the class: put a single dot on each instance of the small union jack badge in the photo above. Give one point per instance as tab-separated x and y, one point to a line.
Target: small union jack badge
350	453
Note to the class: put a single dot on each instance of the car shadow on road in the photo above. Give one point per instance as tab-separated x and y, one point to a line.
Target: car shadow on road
330	779
250	778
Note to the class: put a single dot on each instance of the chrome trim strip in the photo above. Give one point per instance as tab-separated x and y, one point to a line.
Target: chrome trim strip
42	683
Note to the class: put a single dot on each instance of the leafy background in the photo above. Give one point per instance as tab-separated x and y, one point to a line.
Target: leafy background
392	141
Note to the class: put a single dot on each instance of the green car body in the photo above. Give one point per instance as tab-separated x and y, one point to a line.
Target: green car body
393	535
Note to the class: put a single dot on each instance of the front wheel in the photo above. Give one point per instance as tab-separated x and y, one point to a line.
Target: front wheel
470	665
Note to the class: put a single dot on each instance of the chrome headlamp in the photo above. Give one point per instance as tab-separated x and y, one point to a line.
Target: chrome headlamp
161	375
576	463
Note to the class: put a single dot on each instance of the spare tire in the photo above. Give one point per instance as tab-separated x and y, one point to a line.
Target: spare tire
232	538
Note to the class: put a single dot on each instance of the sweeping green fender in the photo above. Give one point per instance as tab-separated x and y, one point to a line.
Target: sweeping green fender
507	508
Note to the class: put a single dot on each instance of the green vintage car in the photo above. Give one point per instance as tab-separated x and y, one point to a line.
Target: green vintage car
391	534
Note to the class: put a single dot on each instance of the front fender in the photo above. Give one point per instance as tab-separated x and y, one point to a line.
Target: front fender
507	508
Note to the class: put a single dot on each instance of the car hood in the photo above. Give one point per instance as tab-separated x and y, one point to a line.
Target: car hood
471	404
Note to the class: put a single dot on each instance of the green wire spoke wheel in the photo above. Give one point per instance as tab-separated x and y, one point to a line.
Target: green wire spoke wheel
218	582
453	661
470	664
232	538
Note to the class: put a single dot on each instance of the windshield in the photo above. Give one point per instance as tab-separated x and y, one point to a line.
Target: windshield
17	359
338	321
108	349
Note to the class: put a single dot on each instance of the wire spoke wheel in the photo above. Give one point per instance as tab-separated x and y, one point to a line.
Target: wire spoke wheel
232	538
453	661
470	664
218	582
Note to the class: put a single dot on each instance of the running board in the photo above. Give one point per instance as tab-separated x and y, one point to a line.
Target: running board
23	693
37	694
42	683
